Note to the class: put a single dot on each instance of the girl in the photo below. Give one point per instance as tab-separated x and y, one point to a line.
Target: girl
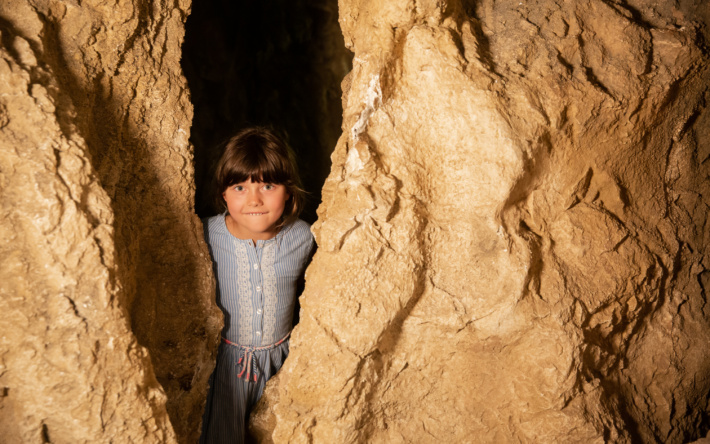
259	248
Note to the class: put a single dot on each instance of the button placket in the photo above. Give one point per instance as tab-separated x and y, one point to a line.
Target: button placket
260	299
259	296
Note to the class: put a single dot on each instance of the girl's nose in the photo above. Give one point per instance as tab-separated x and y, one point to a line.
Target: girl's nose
254	199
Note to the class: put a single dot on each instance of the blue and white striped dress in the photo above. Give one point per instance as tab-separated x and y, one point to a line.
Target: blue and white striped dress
256	290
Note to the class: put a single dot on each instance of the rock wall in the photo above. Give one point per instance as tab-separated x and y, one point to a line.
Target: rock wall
512	242
513	238
108	323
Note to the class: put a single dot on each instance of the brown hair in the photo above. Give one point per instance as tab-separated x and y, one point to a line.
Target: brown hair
259	155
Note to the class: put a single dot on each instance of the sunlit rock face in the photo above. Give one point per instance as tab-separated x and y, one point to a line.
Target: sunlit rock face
513	237
108	323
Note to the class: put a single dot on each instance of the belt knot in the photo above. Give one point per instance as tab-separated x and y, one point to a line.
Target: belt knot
246	356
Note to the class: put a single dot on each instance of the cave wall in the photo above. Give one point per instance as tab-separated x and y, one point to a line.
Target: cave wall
513	237
512	242
109	327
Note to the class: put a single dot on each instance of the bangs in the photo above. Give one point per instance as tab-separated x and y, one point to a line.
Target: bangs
257	168
254	160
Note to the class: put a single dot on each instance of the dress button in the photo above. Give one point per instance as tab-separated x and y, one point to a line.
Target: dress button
258	288
258	333
256	266
258	311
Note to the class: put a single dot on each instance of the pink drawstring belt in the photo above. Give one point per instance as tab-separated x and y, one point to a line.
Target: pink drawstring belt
246	356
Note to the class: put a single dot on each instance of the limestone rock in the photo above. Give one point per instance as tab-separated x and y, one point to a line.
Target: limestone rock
109	327
513	238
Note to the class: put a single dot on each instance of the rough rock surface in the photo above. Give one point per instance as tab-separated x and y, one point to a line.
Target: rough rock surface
513	239
108	323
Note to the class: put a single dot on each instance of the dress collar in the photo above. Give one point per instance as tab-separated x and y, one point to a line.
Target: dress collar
259	243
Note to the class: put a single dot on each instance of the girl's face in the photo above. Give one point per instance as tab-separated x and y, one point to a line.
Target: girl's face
255	209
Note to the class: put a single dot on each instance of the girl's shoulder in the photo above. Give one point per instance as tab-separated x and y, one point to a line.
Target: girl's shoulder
298	225
213	222
214	226
298	230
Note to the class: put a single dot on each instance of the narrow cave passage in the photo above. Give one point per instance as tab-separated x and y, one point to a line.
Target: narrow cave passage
277	63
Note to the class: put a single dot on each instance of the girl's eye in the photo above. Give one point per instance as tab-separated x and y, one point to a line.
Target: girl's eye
239	188
269	187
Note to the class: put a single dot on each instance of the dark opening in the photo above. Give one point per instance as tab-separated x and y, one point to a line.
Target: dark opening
277	63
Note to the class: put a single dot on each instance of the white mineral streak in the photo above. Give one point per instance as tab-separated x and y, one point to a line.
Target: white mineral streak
373	98
353	163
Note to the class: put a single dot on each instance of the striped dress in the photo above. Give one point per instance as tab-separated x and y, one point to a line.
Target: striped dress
256	290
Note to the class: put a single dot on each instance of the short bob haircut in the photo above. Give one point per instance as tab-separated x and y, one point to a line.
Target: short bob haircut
259	155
